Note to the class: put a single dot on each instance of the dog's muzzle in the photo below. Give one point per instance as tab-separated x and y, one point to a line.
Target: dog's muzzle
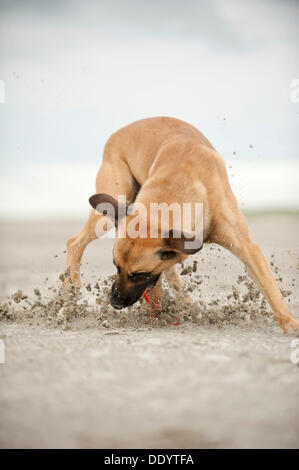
120	300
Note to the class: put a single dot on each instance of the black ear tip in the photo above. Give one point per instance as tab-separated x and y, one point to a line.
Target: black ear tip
92	200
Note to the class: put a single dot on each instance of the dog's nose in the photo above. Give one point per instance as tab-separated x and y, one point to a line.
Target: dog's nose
116	299
117	303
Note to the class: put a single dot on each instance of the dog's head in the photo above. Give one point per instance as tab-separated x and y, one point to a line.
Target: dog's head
140	260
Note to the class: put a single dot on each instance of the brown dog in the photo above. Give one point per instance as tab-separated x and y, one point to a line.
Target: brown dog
167	160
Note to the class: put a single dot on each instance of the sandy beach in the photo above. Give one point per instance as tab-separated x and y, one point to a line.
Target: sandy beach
107	379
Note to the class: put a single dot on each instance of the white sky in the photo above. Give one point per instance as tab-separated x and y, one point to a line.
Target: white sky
76	71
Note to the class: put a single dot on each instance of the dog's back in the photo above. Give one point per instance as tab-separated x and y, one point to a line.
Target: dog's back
140	141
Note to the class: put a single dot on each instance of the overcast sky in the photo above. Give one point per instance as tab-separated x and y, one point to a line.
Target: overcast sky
76	71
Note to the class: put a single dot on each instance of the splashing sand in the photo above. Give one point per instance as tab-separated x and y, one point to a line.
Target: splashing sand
89	306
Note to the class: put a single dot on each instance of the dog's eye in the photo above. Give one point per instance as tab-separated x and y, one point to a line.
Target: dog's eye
139	276
169	254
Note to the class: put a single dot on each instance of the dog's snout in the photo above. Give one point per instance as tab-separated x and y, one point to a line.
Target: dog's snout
125	294
119	299
116	303
116	299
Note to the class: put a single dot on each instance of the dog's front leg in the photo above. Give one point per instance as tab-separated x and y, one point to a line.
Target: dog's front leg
176	284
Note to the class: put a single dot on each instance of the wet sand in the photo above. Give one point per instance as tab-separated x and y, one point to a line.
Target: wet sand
224	380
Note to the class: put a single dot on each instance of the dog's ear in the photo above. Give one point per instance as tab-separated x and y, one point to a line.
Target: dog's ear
108	206
177	241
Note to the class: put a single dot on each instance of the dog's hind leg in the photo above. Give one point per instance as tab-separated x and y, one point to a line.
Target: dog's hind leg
231	231
113	178
76	246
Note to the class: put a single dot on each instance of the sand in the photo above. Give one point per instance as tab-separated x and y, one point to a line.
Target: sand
80	374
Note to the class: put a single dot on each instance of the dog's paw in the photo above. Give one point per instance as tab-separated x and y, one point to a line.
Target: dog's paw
291	326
